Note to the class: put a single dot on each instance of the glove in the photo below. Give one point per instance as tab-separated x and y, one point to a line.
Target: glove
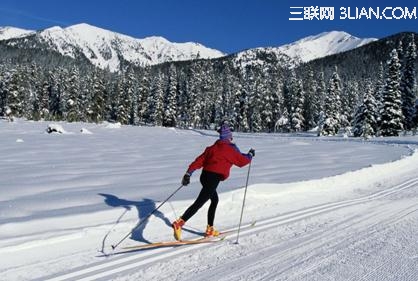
186	179
251	152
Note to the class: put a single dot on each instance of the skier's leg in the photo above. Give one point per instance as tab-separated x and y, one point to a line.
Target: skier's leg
212	208
209	183
204	196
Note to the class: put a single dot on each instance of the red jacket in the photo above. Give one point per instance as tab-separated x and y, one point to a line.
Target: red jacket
219	158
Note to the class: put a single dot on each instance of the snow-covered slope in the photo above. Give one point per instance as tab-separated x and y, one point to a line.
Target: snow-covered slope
13	32
323	44
306	49
325	208
106	49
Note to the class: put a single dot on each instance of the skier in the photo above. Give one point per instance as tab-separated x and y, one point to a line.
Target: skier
216	162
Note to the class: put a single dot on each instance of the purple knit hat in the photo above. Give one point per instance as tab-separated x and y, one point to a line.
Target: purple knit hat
225	132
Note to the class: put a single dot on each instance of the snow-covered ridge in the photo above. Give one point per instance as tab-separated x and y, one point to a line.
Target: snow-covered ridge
13	32
323	44
106	49
310	48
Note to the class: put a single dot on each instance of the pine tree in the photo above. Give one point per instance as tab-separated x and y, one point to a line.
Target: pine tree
3	91
124	102
408	85
15	96
63	93
73	91
34	89
378	93
112	101
365	121
131	97
297	120
332	106
267	121
391	115
309	105
134	108
207	89
277	103
218	108
318	101
96	110
157	102
170	112
144	89
254	99
194	96
349	101
45	93
242	107
54	98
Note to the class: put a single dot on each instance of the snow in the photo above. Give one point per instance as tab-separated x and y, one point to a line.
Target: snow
55	128
323	44
307	49
8	32
103	47
325	208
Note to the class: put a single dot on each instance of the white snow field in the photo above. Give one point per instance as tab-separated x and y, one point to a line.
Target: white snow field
325	208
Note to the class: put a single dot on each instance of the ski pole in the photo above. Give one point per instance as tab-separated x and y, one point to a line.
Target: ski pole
146	218
243	202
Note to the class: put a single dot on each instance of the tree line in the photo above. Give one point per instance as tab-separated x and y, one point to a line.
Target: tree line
254	97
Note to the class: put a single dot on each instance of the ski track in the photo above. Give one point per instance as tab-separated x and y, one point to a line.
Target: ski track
286	257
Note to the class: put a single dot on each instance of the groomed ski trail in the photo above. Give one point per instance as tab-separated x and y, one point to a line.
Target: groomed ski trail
271	250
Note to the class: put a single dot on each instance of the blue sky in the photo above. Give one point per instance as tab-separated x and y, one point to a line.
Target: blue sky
226	25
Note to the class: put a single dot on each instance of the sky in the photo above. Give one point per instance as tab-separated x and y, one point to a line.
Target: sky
225	25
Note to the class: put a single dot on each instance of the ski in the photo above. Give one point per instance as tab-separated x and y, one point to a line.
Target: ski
175	243
213	239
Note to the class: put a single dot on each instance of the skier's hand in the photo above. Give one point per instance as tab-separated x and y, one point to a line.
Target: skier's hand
186	179
251	152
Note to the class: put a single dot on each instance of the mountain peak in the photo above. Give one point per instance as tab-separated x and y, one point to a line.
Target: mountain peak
106	49
83	25
323	44
8	32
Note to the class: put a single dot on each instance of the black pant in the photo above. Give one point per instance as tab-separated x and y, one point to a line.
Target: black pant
209	183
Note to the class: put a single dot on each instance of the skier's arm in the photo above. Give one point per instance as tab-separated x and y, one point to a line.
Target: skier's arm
197	163
240	159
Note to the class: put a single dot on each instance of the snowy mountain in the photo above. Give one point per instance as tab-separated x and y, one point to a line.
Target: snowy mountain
309	48
323	44
107	49
13	32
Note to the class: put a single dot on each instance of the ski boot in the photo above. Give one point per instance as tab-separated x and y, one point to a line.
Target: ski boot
211	231
177	225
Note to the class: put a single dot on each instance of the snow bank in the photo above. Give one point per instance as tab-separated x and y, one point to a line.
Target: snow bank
55	128
85	131
116	125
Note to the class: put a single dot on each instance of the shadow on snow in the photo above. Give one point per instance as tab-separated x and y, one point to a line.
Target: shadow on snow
144	207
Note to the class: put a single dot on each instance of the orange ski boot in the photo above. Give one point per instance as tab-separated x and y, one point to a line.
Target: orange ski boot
177	225
211	231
